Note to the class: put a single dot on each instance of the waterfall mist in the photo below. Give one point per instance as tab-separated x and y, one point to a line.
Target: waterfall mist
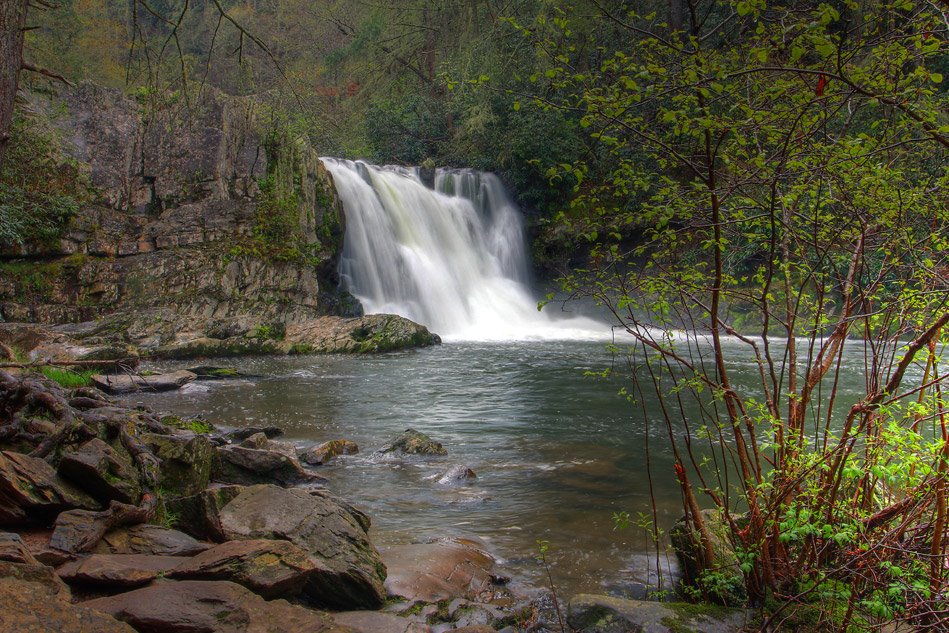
453	258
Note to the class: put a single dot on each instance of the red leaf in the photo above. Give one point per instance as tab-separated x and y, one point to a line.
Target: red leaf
821	84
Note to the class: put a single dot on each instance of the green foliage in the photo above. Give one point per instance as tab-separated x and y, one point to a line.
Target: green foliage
40	190
68	378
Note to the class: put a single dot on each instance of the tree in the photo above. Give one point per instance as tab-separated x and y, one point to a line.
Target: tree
12	23
786	164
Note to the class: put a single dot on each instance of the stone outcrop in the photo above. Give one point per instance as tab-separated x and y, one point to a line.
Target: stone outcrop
102	471
177	256
31	491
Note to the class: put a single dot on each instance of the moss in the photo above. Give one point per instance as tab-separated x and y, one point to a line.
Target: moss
302	348
195	425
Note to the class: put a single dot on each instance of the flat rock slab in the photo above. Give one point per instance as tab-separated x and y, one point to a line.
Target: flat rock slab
130	383
444	570
271	569
605	614
149	539
31	491
14	550
349	572
191	606
116	571
377	622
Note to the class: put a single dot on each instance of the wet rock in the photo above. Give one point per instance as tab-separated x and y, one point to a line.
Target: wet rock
349	572
376	622
34	600
257	440
271	569
126	383
413	442
186	462
149	539
239	435
469	614
102	472
200	515
444	570
208	372
14	550
321	454
457	475
191	606
476	628
32	492
117	571
249	466
606	614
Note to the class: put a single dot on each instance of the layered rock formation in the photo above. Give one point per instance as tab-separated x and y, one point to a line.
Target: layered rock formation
210	231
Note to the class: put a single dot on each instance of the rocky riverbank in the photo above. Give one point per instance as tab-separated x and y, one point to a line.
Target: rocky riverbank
118	519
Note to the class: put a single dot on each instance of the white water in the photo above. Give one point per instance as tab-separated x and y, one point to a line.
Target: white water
453	259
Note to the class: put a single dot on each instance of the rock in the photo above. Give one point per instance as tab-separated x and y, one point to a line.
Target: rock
349	572
149	539
14	550
200	515
729	587
239	435
125	383
271	569
372	333
375	622
321	454
413	442
457	475
117	571
208	372
469	614
196	606
257	440
100	470
186	462
444	570
476	628
249	466
31	491
34	600
606	614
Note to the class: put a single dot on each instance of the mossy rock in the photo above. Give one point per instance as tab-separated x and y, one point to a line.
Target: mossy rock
185	462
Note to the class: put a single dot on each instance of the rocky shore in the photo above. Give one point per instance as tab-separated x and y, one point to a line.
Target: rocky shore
118	519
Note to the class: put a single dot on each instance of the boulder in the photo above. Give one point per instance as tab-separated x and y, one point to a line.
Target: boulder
249	466
413	442
209	372
34	600
321	454
32	492
257	440
349	572
376	622
200	515
193	606
271	569
239	435
443	570
117	571
102	472
14	550
457	475
607	614
149	539
186	462
130	383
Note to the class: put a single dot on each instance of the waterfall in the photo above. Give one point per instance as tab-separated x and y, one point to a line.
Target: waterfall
453	258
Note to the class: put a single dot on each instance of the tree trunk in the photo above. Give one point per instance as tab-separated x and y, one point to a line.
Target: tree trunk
12	21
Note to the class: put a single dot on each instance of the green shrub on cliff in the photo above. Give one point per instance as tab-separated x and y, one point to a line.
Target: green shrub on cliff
40	190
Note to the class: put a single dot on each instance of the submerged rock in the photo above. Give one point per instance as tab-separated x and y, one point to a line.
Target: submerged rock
318	455
130	383
443	570
412	442
376	622
457	475
349	571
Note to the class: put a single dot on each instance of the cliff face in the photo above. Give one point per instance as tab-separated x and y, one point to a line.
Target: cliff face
206	224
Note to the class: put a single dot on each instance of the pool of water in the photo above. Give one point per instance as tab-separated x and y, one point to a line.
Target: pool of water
557	453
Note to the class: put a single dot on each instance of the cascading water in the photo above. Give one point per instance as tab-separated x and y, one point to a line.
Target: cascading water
452	258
